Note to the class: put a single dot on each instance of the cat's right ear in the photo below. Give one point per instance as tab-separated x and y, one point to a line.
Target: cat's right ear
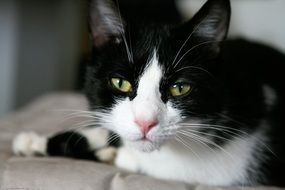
105	22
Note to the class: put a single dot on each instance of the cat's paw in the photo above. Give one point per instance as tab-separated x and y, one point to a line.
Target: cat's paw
29	144
107	155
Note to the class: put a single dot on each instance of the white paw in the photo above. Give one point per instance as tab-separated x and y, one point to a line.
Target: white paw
29	144
107	155
97	137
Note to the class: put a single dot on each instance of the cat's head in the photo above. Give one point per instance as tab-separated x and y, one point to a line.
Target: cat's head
149	80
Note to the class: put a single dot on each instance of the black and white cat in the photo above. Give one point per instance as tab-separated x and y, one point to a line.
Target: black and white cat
187	104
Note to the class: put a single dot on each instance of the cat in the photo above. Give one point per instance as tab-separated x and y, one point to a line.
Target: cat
178	101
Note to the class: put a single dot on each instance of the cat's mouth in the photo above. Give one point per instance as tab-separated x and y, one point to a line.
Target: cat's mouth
142	140
145	145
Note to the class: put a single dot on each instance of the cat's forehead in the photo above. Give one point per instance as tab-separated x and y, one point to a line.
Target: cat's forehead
147	38
138	47
135	49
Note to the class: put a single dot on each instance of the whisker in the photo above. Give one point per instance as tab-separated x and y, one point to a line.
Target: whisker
130	58
208	134
228	130
187	39
113	138
225	131
194	47
130	42
179	139
70	136
195	67
197	140
212	143
213	126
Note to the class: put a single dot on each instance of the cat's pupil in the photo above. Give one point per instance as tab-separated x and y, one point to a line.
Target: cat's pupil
180	86
120	83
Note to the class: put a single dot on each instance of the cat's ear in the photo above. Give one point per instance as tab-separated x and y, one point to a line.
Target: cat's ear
213	19
210	24
105	22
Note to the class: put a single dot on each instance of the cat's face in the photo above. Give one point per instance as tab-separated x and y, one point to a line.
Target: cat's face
149	81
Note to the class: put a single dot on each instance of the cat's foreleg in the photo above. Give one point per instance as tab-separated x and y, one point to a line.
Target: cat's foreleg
92	144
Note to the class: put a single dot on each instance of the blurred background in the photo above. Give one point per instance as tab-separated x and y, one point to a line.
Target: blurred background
44	43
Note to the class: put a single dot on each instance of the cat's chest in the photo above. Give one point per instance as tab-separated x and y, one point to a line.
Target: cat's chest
200	164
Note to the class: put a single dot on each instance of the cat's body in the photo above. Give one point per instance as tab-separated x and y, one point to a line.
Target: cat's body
186	105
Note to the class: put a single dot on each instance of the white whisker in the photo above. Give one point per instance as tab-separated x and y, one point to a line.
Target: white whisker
187	39
196	140
207	134
230	131
130	57
179	139
212	143
191	49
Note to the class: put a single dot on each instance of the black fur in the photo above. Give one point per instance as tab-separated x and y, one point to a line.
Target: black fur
75	145
70	144
114	142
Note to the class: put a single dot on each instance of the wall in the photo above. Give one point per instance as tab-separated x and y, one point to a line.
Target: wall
48	47
39	49
8	41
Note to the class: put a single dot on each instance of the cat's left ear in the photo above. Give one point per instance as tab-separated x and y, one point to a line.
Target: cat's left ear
211	23
105	22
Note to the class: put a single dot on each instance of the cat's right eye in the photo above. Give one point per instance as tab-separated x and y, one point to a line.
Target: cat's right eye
121	85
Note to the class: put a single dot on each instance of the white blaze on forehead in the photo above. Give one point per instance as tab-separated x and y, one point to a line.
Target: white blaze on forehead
148	102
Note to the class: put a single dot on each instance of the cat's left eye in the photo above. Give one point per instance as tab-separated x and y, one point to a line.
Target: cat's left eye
121	85
180	89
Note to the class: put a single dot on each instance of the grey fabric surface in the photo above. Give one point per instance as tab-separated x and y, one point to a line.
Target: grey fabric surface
65	174
48	115
61	174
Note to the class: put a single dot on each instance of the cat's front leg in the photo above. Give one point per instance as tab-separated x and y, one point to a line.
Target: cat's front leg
90	144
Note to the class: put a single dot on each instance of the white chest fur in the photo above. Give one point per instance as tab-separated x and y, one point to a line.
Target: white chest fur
211	167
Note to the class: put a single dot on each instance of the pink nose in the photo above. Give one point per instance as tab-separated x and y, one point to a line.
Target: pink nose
146	125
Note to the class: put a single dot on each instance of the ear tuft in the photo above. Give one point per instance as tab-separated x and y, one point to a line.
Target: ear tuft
105	22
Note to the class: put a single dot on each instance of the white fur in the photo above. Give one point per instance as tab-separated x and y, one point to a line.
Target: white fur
147	103
208	167
126	159
106	154
29	144
96	137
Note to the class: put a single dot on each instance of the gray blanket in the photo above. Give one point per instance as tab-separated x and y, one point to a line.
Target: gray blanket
48	115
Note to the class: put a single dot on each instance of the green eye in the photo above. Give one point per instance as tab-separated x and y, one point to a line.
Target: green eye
179	89
121	85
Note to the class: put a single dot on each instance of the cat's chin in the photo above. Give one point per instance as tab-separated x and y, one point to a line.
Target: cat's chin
145	145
